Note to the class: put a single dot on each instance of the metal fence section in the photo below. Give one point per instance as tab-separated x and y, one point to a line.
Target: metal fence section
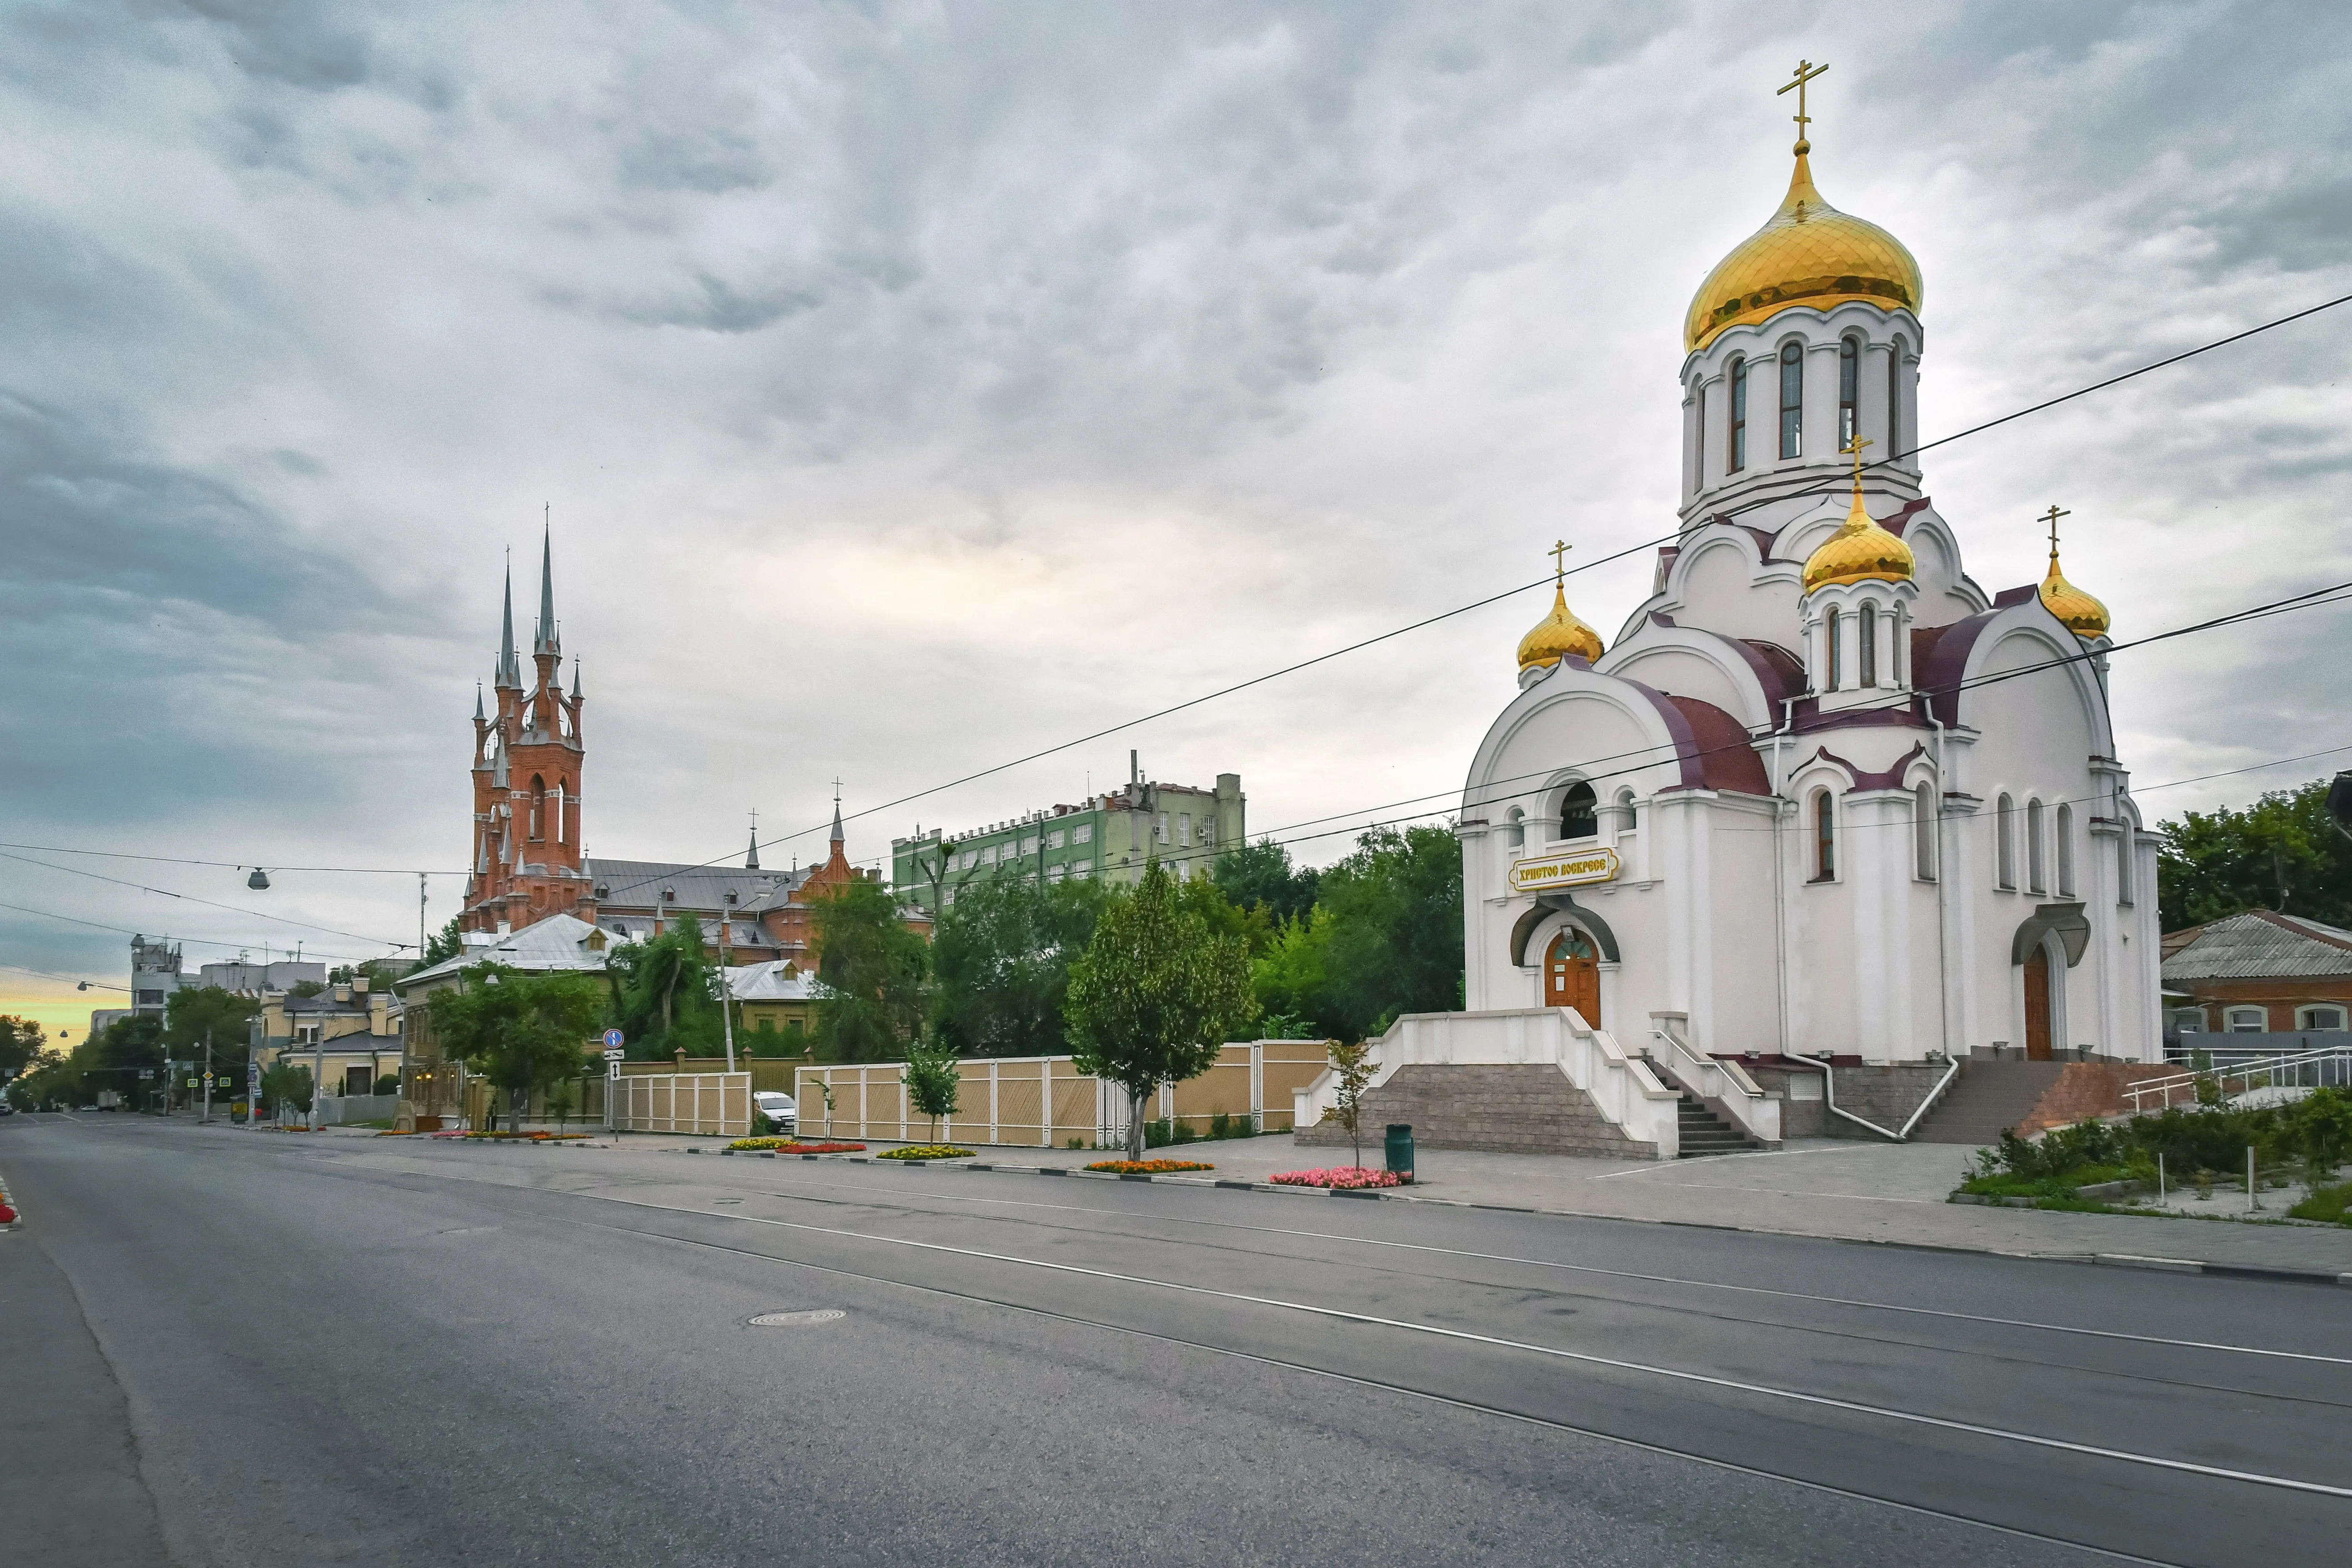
718	1103
1044	1102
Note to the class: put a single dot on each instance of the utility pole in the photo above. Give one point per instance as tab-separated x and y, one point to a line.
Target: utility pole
726	988
208	1074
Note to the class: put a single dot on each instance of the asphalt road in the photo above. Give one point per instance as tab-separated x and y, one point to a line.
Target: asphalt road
235	1348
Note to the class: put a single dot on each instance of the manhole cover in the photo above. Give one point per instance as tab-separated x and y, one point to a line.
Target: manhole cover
796	1320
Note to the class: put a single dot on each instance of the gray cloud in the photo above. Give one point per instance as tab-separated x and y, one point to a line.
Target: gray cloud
913	387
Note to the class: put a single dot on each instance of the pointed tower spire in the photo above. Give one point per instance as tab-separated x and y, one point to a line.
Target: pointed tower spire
545	640
836	814
479	717
509	671
751	860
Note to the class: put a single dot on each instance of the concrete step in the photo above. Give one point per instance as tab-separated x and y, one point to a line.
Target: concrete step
1701	1131
1988	1097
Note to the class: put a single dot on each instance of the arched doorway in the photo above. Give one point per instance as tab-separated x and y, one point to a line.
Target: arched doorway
1572	976
2037	1004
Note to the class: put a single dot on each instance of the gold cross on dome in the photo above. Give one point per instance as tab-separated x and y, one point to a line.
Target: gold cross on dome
1855	447
2052	517
1558	554
1806	71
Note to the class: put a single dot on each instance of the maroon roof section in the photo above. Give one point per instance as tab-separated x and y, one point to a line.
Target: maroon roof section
1726	753
1902	519
1939	666
1782	672
1863	779
2009	596
1678	726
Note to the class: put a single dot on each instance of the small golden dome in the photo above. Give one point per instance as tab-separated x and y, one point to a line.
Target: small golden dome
1556	634
2077	611
1859	550
1808	254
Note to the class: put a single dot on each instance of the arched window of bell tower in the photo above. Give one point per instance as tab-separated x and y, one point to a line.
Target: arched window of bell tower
1735	444
1832	653
1849	388
1895	446
1792	399
1868	643
1579	814
538	807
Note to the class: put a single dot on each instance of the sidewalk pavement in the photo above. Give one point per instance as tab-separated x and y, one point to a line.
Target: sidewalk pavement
1835	1187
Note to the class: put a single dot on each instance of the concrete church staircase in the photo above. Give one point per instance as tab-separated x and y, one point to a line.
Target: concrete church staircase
1701	1131
1987	1097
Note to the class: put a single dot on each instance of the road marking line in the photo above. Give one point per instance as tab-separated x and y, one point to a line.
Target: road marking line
1623	1274
2184	1466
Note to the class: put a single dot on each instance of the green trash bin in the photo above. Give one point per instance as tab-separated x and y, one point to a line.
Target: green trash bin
1400	1148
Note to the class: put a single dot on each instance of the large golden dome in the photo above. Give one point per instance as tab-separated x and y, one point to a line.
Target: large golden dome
1556	634
1808	254
1859	550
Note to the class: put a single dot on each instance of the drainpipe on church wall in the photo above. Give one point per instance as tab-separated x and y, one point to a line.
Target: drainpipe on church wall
1943	931
1780	863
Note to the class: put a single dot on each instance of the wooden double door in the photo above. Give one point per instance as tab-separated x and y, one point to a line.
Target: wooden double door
2037	1006
1572	976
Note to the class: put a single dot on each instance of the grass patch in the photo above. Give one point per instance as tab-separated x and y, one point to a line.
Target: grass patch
2010	1184
2333	1204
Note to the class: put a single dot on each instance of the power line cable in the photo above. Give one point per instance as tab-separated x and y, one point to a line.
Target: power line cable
195	940
191	897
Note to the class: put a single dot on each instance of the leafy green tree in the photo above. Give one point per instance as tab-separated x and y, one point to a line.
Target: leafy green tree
1001	960
1385	938
1261	876
933	1085
871	972
22	1043
665	993
1353	1065
444	944
519	1031
285	1082
2280	853
1156	994
208	1013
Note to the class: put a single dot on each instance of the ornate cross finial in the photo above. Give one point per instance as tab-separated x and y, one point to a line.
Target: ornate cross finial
836	789
755	821
1806	71
1558	554
2052	517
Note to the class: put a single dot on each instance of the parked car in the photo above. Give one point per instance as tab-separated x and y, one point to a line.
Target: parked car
783	1115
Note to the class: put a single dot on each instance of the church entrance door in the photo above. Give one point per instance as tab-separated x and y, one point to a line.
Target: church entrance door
2037	1006
1573	976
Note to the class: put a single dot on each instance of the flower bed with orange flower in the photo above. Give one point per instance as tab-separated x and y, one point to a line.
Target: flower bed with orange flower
1148	1167
786	1146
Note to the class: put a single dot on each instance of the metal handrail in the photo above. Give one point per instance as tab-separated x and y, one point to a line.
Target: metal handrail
2244	1071
1934	1095
1687	1073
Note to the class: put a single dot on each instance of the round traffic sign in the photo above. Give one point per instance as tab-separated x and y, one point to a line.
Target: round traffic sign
613	1039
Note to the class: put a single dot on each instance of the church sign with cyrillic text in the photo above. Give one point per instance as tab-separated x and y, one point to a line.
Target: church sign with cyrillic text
1540	871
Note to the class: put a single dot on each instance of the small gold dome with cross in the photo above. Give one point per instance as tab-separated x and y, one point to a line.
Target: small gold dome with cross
1859	550
1560	633
2078	612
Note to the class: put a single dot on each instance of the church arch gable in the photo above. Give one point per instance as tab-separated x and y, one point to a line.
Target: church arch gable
1497	782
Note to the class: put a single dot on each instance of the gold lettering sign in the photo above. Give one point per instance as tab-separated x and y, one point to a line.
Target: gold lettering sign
1541	871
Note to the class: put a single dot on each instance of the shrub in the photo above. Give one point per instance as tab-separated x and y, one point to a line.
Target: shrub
2333	1204
1148	1167
788	1147
1347	1178
926	1152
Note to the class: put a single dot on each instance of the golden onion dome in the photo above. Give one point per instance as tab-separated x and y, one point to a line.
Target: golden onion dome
1859	550
1808	254
1558	633
2077	611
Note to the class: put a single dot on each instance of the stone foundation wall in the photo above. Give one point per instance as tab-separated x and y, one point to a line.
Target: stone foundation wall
1514	1109
1885	1095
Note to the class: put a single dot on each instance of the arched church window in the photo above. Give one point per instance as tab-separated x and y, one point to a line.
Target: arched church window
1923	832
1849	387
1869	643
1698	447
538	807
2004	850
1792	399
2065	842
2124	853
1515	827
1894	400
1736	447
2035	882
1895	639
1628	815
1824	837
1830	642
567	819
1578	817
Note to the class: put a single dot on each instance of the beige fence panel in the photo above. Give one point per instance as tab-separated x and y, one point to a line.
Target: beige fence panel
1043	1102
714	1103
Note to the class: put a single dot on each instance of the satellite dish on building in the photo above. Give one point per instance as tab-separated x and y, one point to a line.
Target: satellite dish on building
258	882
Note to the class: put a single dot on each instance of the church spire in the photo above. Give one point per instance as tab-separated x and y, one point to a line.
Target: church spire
545	640
510	669
836	815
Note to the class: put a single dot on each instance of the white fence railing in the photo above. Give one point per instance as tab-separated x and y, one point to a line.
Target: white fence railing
2303	1069
714	1103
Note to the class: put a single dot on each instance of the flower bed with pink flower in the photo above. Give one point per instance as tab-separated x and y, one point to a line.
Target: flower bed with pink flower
1343	1178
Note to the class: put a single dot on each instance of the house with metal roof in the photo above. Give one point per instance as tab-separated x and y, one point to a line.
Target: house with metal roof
2259	973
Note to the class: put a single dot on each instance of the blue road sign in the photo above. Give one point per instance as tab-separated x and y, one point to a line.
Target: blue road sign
613	1039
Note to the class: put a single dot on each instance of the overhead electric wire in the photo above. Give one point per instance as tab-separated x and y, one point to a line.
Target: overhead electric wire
70	979
196	940
236	865
191	897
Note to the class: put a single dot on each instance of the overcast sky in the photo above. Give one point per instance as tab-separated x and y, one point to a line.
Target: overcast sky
912	387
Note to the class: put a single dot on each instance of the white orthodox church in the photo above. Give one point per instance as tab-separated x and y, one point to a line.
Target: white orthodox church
1824	801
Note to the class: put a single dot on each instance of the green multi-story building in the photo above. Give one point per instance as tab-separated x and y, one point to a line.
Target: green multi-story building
1108	837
